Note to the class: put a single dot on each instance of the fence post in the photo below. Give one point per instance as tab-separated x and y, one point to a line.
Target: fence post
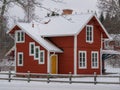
70	77
9	76
28	76
48	78
95	78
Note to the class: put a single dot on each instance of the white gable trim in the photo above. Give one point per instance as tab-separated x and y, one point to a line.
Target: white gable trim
103	27
12	49
84	25
98	22
10	29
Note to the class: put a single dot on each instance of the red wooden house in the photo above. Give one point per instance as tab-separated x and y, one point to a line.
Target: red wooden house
60	44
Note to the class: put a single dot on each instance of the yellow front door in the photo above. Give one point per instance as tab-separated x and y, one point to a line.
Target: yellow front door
54	64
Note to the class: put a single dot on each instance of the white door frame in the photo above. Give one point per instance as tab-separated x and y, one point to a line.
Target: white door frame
56	62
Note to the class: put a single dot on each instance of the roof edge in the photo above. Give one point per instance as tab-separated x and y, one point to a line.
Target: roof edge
57	35
84	25
102	27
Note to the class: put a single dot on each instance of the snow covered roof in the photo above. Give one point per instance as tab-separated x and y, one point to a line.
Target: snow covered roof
64	25
36	36
59	25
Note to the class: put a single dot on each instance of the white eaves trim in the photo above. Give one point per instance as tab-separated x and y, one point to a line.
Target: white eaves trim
13	48
10	29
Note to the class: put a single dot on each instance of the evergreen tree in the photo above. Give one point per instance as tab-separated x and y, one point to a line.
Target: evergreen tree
101	17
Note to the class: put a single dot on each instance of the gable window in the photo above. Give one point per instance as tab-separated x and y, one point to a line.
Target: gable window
94	59
20	36
82	59
20	58
89	33
42	57
37	49
31	48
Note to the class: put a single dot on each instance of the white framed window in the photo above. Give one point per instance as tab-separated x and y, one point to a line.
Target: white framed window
20	58
36	54
31	48
42	57
94	59
89	33
20	36
82	59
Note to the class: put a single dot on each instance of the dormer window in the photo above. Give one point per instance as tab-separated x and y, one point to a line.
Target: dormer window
20	36
89	33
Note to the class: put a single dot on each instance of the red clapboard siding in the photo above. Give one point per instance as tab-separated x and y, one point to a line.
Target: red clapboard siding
83	46
29	63
65	59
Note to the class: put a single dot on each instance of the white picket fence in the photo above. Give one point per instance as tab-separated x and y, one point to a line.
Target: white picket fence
61	78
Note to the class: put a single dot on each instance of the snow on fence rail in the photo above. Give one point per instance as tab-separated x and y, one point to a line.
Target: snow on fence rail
61	78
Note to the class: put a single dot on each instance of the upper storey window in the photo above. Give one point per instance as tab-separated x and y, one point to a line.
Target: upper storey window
20	36
89	33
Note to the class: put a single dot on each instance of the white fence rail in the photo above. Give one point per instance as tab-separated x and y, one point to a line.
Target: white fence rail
61	78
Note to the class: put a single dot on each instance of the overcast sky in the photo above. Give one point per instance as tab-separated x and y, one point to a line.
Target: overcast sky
77	5
80	5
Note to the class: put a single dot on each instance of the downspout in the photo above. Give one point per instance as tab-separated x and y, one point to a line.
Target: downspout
75	54
15	53
15	58
48	62
101	54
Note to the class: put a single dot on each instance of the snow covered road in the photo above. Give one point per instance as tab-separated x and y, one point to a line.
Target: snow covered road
20	85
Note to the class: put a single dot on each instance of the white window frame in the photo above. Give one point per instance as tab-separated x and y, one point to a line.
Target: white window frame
85	67
16	36
37	58
95	67
30	48
43	57
20	53
90	35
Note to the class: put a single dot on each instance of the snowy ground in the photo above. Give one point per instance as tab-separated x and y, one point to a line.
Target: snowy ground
4	85
110	69
24	85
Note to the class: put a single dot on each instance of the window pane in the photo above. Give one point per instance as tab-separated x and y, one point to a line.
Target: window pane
20	59
82	59
18	36
80	64
83	64
41	56
22	36
89	33
95	59
32	48
37	53
83	55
